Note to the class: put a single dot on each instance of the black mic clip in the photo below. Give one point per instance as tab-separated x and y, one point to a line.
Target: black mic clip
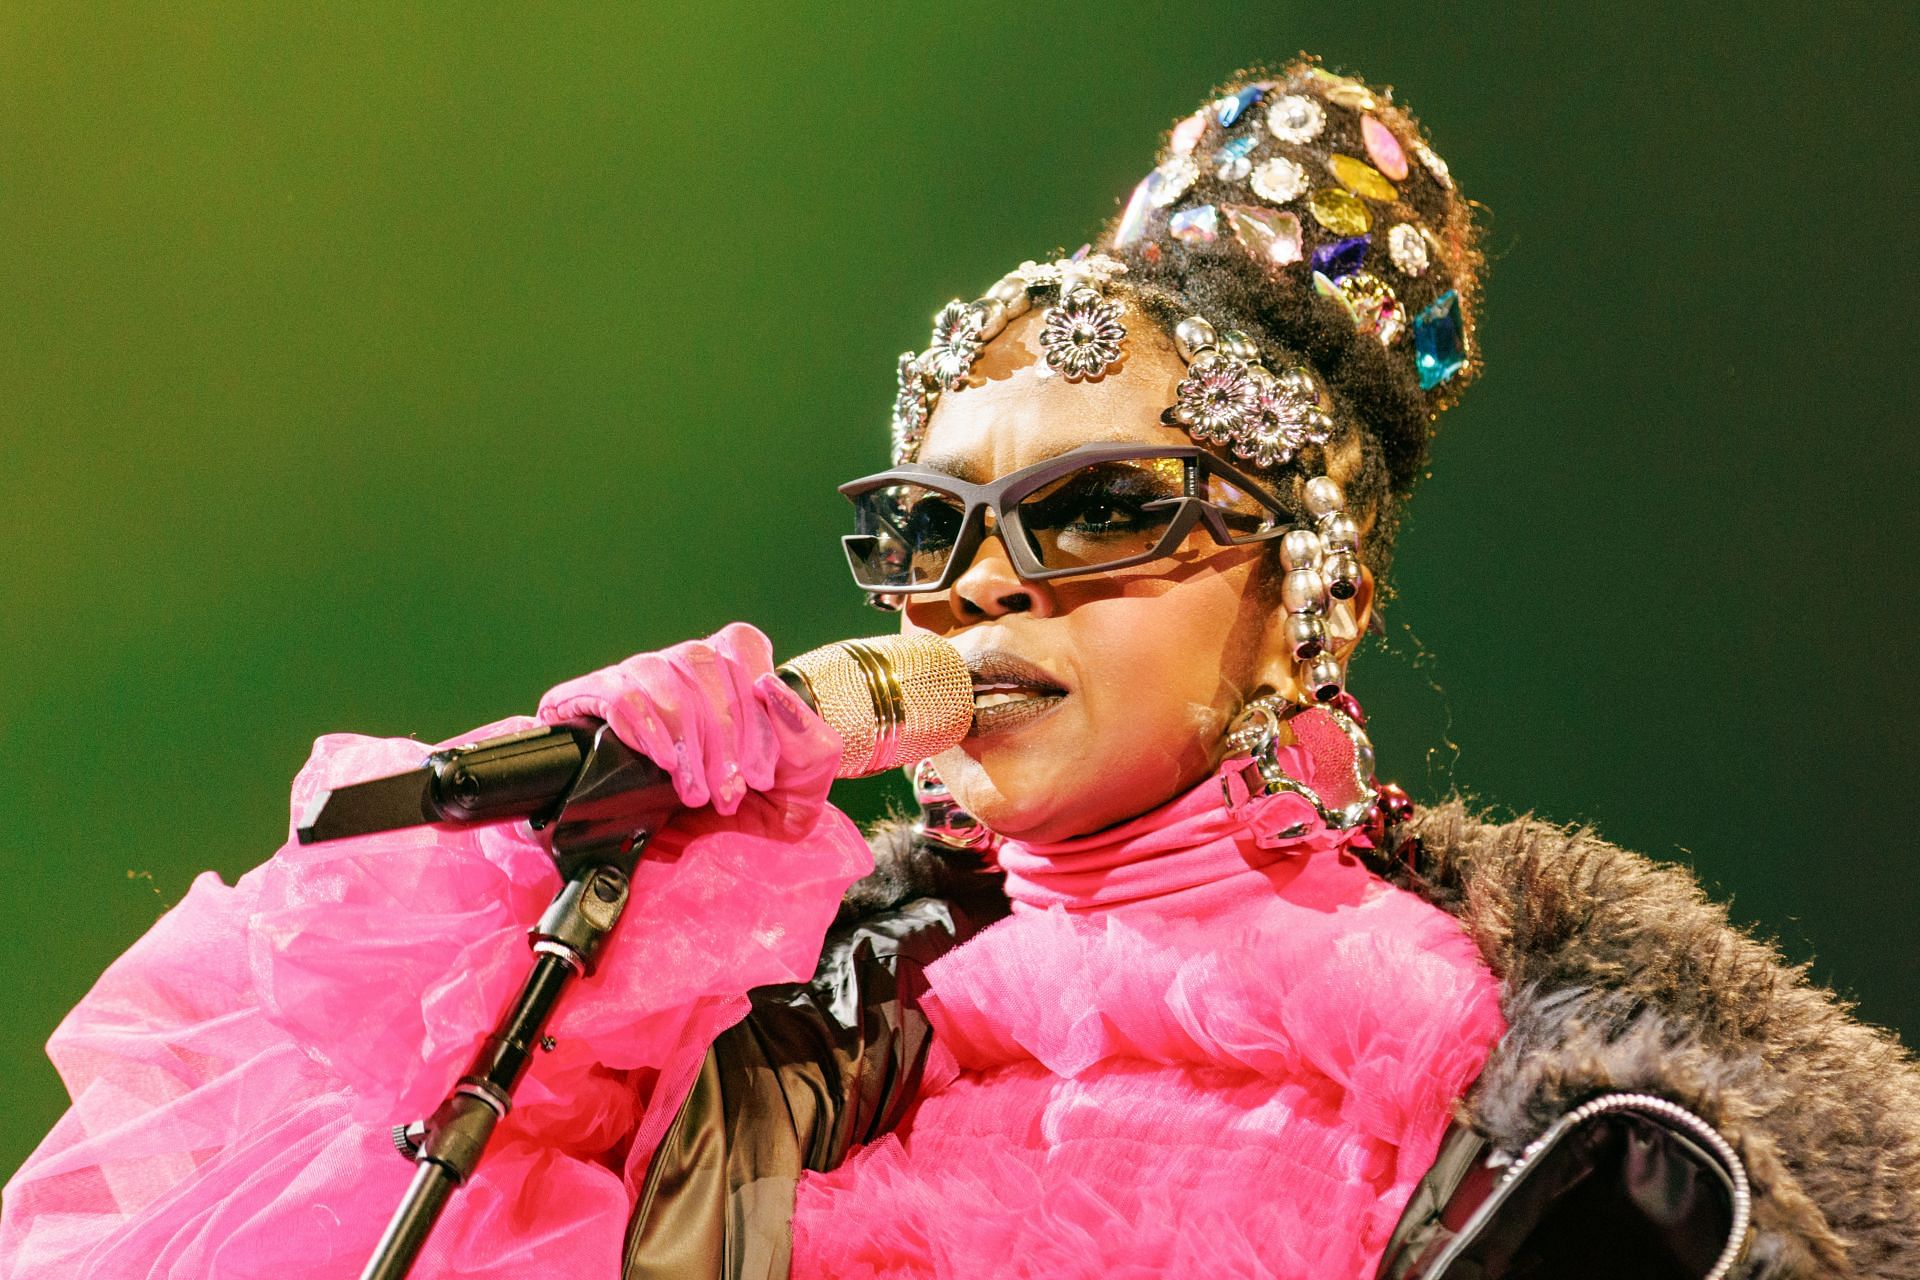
596	800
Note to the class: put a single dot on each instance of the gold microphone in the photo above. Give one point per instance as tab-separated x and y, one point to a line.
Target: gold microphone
894	700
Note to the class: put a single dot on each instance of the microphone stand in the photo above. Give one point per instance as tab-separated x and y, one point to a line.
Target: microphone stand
616	803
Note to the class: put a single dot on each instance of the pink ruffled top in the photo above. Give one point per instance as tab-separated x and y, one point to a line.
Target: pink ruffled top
1199	1046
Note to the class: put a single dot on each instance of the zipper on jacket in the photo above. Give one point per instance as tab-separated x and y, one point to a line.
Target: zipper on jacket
1672	1112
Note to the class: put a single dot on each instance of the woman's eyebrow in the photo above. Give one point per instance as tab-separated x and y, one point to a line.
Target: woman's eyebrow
958	468
963	468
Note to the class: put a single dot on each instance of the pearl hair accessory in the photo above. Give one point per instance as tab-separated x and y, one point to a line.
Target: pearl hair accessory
1322	565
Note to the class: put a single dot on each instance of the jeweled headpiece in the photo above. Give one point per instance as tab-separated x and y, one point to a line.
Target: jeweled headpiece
1353	261
1309	175
1080	338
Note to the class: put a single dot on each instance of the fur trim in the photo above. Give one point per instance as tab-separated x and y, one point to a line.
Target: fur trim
906	867
1618	973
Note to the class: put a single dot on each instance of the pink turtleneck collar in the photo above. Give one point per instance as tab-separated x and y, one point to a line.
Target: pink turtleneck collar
1207	845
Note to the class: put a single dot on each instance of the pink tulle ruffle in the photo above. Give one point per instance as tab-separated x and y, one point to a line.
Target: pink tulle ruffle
234	1074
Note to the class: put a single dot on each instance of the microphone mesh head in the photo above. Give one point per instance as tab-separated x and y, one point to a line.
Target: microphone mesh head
893	700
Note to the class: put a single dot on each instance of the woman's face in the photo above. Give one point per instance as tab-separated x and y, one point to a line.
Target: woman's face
1150	662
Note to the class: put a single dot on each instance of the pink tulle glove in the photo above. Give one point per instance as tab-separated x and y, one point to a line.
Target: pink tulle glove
712	713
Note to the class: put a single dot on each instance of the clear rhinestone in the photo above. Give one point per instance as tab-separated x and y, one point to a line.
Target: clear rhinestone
1271	235
1435	165
1171	180
1133	222
1407	246
1296	118
1198	225
1280	180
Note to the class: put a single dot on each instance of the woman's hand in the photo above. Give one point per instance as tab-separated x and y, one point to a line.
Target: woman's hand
715	717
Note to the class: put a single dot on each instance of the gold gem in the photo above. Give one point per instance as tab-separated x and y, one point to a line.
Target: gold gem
1339	212
1361	178
1376	310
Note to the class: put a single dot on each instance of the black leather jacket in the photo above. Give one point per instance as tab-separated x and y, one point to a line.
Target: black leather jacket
1669	1101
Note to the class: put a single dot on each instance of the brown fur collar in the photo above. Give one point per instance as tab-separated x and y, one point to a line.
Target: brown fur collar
1619	974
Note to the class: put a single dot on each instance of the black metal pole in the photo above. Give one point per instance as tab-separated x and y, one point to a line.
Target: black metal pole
432	1184
448	1145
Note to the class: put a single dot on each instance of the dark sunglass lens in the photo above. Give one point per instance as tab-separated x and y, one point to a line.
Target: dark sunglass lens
903	534
1246	516
1106	511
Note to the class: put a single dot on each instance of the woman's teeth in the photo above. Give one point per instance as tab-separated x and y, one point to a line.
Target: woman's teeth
1001	708
1010	693
999	693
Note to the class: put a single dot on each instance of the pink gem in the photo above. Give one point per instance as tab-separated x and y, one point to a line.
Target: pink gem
1388	158
1270	234
1186	134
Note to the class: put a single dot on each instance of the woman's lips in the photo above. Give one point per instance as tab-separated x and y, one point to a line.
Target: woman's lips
1009	691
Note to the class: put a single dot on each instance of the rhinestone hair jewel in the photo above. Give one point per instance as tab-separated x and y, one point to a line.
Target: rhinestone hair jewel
1228	398
1330	188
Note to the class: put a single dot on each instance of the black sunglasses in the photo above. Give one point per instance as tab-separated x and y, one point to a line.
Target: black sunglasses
1091	509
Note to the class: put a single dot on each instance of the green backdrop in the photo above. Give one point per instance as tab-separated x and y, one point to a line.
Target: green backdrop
375	366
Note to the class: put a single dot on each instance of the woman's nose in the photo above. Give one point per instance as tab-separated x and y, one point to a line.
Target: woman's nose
989	588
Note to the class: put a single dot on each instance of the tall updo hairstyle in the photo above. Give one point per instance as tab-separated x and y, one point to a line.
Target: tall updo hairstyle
1307	210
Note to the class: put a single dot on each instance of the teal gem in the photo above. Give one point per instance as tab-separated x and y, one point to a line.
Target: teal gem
1439	341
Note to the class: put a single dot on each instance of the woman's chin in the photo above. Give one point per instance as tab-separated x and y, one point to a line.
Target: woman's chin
1017	795
1039	801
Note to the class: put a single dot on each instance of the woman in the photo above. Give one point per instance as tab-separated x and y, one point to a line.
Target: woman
1159	984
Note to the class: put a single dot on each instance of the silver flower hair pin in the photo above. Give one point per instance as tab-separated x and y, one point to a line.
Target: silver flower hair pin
1080	339
1082	334
1228	397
